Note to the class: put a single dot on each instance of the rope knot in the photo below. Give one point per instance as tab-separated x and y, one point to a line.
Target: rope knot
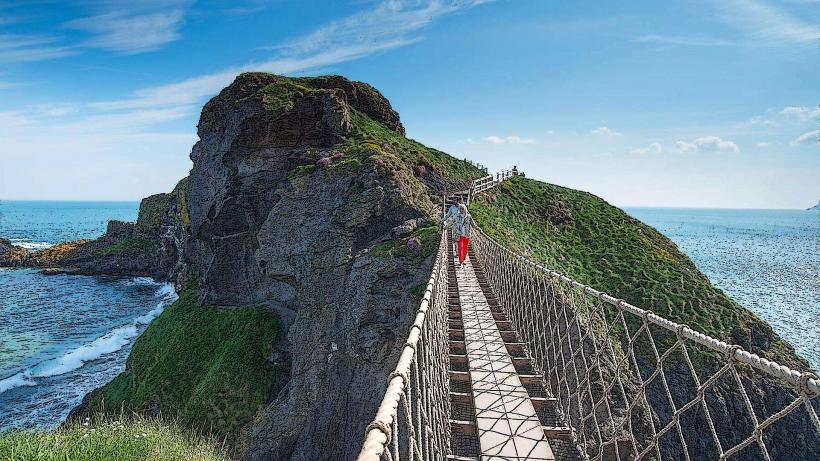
381	426
679	331
645	315
730	353
403	375
803	383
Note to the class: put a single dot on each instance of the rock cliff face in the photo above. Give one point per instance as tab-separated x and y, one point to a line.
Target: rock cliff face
288	195
302	196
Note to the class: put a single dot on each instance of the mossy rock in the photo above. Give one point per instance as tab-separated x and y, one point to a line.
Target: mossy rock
205	366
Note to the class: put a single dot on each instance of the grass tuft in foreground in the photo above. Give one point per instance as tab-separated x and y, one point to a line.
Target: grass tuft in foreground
117	438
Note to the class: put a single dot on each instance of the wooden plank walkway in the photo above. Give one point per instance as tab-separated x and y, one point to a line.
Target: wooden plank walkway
508	426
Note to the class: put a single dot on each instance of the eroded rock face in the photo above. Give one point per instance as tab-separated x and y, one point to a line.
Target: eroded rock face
299	244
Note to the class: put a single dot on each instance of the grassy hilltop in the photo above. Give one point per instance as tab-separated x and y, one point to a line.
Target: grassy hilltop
585	238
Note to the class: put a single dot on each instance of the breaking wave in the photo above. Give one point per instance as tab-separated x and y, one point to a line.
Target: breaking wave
111	341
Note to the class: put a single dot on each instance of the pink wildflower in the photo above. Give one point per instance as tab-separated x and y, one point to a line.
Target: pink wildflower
414	244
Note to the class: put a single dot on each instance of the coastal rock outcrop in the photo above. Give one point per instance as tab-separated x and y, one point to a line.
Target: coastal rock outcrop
295	181
126	248
301	199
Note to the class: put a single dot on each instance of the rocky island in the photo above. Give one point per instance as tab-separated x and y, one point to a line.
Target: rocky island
288	243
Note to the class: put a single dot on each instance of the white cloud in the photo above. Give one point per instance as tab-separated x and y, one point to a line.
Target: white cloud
371	31
757	120
766	24
132	29
654	148
519	140
605	131
807	138
28	48
54	110
683	40
684	147
800	113
706	144
512	139
764	144
121	137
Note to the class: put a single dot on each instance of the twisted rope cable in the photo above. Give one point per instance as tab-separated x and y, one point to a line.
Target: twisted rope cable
412	421
618	399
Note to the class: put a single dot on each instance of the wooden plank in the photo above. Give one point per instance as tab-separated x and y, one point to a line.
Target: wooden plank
461	397
557	432
509	336
530	379
460	359
522	361
541	403
459	376
460	458
515	348
463	427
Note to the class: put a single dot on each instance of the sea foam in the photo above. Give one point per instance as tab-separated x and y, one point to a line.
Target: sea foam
18	380
29	245
110	342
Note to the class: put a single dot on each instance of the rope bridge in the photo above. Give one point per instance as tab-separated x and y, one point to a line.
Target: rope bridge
627	383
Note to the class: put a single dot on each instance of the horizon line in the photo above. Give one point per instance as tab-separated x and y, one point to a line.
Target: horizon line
677	207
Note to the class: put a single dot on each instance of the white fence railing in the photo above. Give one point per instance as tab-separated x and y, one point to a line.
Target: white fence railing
412	421
490	181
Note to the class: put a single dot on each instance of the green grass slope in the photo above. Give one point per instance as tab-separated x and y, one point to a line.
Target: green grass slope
204	366
585	238
122	439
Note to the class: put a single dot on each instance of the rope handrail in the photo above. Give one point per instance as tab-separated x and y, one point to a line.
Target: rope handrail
772	368
410	422
626	382
623	377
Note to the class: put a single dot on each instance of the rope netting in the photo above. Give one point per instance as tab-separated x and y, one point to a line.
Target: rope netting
629	383
634	385
412	421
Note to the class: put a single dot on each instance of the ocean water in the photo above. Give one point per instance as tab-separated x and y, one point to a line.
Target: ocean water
39	224
767	260
65	335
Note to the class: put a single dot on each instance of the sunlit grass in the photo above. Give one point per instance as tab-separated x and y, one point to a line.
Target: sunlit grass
118	437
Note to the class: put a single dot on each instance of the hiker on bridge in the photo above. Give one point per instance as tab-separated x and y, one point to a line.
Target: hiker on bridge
459	217
463	225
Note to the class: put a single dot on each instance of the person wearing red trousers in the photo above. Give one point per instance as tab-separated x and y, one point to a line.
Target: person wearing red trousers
464	223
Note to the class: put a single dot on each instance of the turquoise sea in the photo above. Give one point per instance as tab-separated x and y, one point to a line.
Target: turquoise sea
62	336
767	260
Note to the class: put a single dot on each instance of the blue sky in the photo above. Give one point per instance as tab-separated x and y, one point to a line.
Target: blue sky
701	103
